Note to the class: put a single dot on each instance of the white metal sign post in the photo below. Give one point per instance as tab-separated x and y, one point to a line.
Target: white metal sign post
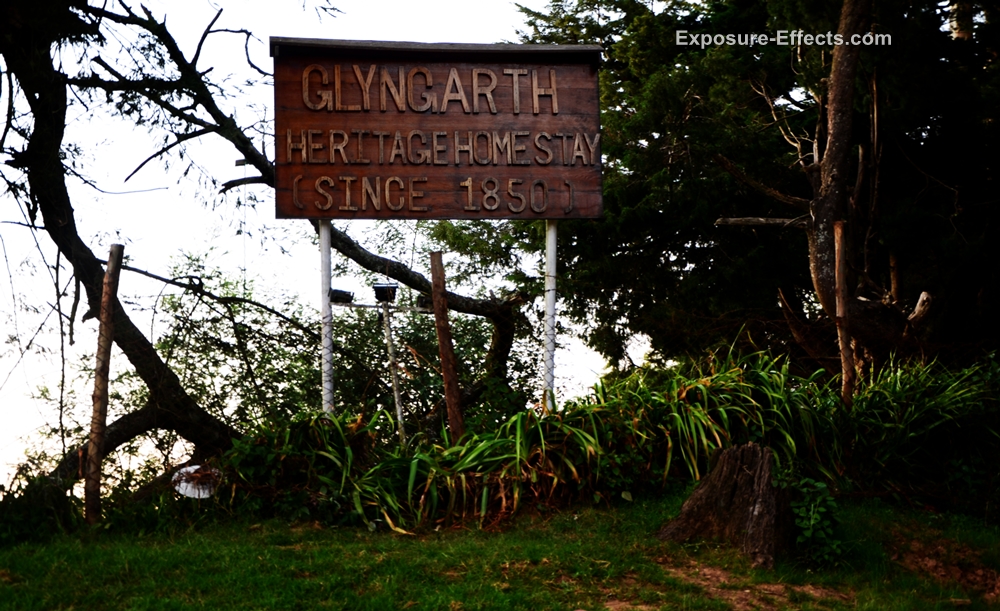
550	314
325	272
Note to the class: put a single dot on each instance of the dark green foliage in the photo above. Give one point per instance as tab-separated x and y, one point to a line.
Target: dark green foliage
35	508
926	432
816	518
922	433
657	265
905	435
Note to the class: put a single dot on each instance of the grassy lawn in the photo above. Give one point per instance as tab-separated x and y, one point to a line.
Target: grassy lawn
591	558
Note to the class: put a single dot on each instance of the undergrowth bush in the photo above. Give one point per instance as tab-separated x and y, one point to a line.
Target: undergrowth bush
920	432
815	513
632	434
33	507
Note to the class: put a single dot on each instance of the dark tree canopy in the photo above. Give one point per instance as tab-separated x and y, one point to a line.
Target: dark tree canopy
901	144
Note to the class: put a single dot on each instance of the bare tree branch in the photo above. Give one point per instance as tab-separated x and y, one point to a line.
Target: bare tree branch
198	287
801	222
246	48
740	175
10	110
239	182
204	36
179	140
192	83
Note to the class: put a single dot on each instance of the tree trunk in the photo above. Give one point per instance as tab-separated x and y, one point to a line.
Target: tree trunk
27	54
28	33
452	395
738	504
835	180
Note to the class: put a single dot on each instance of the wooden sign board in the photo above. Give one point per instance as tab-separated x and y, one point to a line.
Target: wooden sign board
435	131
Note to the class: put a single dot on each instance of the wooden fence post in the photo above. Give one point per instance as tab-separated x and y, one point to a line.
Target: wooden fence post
105	337
446	349
843	320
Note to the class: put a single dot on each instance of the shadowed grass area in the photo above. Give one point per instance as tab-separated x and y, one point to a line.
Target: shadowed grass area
590	559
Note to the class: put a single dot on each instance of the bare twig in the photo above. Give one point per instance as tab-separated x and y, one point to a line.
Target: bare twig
239	182
10	110
801	222
204	36
179	140
197	287
740	175
246	48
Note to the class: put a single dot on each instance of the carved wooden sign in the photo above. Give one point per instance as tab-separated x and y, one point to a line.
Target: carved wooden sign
433	131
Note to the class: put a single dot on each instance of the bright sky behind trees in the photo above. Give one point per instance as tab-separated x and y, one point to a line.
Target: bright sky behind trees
160	213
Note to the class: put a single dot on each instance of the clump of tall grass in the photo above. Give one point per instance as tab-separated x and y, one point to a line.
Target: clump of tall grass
919	431
925	432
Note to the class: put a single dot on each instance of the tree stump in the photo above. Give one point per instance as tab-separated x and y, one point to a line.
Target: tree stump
738	504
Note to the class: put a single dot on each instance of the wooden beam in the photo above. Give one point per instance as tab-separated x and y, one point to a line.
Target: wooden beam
98	421
843	329
448	370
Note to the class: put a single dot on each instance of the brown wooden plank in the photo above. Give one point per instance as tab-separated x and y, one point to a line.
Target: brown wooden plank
493	193
350	116
576	90
370	46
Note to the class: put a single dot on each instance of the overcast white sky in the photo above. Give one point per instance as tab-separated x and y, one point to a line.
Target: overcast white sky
159	215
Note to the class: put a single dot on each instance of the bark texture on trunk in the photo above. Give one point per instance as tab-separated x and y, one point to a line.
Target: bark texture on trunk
738	504
452	395
835	178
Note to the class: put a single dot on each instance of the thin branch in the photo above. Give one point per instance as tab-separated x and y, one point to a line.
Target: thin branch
73	308
13	293
246	48
62	358
25	349
72	172
123	83
20	224
196	87
239	182
781	121
198	288
10	110
180	139
738	174
204	36
801	222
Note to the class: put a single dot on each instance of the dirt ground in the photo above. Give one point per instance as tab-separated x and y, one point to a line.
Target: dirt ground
921	551
721	584
945	561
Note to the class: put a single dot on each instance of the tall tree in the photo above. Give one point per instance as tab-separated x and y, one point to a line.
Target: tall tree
881	134
162	86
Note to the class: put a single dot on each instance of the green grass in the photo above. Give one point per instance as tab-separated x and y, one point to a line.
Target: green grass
573	559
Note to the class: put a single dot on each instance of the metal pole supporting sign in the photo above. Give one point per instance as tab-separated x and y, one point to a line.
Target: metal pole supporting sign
550	314
325	271
541	127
